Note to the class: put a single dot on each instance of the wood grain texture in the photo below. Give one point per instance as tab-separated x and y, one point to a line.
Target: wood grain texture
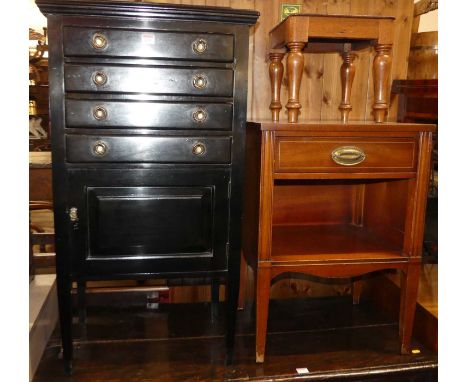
331	91
140	345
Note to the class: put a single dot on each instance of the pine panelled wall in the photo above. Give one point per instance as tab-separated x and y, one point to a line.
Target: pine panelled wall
320	96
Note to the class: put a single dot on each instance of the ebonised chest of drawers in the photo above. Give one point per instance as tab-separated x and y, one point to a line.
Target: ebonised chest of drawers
148	110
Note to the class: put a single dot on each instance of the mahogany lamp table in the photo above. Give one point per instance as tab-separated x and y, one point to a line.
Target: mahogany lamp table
313	33
337	201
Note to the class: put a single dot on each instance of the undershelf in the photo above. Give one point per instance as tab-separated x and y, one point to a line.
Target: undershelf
331	243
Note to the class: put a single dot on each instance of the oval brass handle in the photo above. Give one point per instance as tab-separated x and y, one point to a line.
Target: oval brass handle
99	41
348	155
100	113
99	78
199	81
73	214
100	149
200	115
198	149
199	46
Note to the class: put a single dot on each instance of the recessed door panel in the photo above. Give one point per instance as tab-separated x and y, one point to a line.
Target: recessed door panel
150	221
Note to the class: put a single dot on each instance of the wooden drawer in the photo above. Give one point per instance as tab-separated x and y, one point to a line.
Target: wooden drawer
156	115
148	44
316	154
143	149
156	80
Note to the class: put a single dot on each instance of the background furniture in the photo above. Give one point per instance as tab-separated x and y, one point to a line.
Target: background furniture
38	93
417	100
41	211
423	58
335	201
330	33
39	237
146	186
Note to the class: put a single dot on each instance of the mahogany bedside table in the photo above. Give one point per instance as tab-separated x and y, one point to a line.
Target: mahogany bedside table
315	33
335	200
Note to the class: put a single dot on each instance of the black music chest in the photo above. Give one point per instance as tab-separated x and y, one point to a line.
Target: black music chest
148	111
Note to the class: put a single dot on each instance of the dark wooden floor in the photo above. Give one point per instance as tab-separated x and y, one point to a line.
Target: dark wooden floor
179	342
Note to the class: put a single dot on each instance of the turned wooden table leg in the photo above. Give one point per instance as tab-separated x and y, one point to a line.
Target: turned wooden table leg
263	300
295	66
408	297
347	72
381	72
276	70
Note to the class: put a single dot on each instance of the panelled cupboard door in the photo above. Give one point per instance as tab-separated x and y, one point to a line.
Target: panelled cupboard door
173	220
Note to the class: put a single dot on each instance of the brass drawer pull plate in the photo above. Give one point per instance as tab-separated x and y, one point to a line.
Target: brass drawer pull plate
99	41
198	149
199	46
348	155
100	149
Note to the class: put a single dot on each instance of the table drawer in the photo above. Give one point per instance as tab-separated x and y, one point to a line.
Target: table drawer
152	115
325	154
91	148
147	44
156	80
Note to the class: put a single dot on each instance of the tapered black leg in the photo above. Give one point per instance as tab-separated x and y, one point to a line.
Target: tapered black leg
231	303
81	294
65	309
214	299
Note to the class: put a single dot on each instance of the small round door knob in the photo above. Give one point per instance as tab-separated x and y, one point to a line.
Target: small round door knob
198	149
199	115
100	148
199	81
100	113
199	46
99	78
99	41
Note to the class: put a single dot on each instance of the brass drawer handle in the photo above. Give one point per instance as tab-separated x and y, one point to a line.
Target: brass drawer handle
99	78
100	149
100	113
199	81
198	149
199	46
200	115
348	155
73	214
99	41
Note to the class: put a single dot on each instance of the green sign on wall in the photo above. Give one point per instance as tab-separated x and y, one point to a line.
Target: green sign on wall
289	9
